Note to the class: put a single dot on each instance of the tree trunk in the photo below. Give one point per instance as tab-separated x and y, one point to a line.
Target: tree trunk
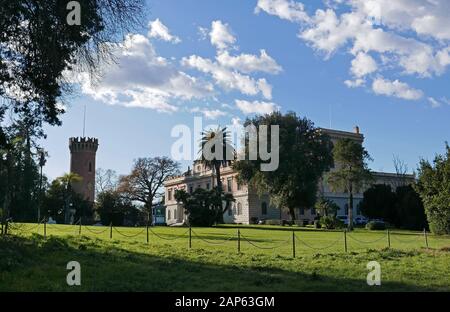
292	213
150	214
218	177
350	209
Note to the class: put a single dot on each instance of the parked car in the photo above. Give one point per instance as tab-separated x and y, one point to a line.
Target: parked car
361	220
343	219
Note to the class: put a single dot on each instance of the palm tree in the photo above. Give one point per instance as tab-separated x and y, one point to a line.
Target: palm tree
211	141
216	151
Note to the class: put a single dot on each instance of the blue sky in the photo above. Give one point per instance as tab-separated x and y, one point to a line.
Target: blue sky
383	68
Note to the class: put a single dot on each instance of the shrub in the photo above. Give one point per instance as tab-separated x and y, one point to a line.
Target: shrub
433	186
376	226
328	222
317	224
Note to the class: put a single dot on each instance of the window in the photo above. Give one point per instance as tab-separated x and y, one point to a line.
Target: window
169	214
175	214
208	186
169	194
90	167
230	211
302	211
264	208
229	185
191	189
313	211
239	209
346	209
239	186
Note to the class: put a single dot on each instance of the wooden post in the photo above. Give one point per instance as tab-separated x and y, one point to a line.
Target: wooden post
389	238
5	229
345	240
110	230
190	236
147	233
45	228
79	229
426	238
239	241
293	244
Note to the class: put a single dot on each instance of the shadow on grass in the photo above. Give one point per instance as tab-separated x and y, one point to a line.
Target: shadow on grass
35	264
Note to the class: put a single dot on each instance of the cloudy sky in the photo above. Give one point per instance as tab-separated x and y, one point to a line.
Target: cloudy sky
382	65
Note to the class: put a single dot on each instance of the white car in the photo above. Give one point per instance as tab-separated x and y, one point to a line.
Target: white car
343	219
361	220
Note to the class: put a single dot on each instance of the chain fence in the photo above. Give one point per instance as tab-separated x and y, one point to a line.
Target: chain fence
211	242
191	233
266	248
334	243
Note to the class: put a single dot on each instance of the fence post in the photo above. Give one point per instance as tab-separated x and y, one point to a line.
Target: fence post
45	228
79	229
239	241
293	244
190	236
345	240
147	232
110	230
5	229
426	238
389	238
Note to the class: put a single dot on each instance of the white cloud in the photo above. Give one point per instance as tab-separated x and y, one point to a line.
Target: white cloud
288	10
396	89
433	102
228	79
233	72
209	113
144	79
355	83
410	37
203	32
159	31
248	63
362	65
256	107
221	35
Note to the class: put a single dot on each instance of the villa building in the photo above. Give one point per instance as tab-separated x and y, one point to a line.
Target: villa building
249	207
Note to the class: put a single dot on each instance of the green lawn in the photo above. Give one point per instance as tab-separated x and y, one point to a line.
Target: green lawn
28	262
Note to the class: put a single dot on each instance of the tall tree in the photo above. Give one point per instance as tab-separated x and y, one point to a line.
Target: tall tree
144	183
434	189
304	154
351	171
379	201
216	151
38	45
105	180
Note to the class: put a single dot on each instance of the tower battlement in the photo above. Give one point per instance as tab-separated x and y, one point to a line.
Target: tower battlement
82	162
83	144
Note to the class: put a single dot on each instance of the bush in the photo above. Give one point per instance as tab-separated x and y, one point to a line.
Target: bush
376	226
273	222
317	224
328	222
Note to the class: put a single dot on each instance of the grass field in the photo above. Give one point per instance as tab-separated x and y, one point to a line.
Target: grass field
28	262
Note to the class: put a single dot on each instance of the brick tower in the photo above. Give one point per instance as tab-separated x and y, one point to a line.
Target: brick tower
82	162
